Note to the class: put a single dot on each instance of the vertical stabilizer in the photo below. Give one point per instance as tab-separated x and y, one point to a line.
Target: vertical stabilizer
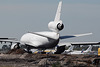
71	48
58	13
57	24
89	48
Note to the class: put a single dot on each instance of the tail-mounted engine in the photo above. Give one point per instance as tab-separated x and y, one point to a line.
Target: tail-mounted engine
56	26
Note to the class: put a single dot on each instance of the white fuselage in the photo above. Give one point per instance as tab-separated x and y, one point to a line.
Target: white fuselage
40	39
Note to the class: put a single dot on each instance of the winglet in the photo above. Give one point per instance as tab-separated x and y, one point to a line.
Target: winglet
58	13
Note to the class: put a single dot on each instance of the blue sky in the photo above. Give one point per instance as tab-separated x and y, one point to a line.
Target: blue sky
79	16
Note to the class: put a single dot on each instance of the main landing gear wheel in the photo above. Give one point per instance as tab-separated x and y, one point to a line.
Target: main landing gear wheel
15	46
28	49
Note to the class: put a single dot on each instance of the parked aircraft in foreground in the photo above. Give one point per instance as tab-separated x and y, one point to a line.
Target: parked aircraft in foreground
45	39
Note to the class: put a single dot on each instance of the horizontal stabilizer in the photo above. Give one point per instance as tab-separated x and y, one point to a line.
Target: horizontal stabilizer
82	34
71	36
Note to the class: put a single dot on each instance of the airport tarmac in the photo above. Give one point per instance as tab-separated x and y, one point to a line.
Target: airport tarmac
19	58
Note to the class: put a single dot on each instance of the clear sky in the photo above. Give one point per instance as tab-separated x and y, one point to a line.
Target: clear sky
79	16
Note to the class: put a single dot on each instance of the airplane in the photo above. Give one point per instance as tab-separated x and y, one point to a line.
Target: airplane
6	39
45	39
82	51
70	49
2	38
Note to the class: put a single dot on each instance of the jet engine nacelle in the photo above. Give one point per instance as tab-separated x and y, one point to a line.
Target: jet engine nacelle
56	26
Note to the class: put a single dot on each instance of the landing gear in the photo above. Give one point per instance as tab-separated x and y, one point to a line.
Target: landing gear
60	49
17	46
43	52
28	49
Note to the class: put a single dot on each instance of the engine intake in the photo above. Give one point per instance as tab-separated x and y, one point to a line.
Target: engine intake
60	26
56	26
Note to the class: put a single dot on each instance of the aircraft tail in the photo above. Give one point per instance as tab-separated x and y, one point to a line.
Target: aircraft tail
89	48
57	24
58	13
71	48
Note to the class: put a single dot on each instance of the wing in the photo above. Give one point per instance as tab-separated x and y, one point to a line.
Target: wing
79	43
71	36
7	38
85	43
10	40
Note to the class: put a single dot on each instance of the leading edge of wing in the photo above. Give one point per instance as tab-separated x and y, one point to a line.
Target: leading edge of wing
71	36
